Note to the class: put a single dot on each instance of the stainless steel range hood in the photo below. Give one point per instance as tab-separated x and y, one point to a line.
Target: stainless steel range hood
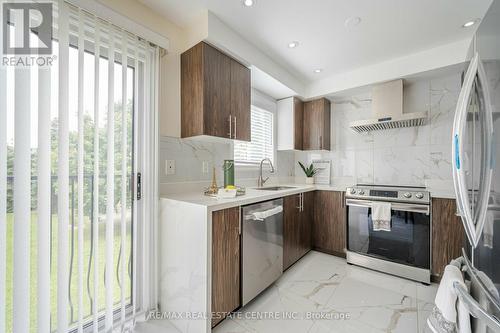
387	108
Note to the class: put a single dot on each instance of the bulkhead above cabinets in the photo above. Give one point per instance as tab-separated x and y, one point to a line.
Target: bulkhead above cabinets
303	125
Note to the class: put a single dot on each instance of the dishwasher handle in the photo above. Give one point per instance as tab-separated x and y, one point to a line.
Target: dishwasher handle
262	215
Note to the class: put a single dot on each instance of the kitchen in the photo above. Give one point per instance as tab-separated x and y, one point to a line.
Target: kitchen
404	156
251	166
405	162
385	142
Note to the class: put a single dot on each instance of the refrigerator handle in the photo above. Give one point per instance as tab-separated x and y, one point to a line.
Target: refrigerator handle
487	164
474	308
473	225
459	177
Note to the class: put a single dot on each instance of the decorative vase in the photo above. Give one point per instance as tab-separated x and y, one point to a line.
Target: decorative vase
309	180
228	168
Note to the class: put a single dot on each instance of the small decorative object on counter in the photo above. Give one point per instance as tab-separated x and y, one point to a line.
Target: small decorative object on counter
227	193
228	168
322	175
310	171
239	191
213	188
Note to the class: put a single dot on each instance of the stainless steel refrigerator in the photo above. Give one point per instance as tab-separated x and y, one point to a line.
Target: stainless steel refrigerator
476	170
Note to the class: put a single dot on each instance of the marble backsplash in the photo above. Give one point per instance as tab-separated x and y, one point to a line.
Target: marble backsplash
189	155
413	156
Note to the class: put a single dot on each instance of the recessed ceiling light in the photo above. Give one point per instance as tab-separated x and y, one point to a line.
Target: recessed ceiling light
293	44
318	70
469	23
248	3
352	21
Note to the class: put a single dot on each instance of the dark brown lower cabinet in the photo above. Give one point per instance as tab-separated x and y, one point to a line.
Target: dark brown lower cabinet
297	227
225	261
329	227
306	222
448	235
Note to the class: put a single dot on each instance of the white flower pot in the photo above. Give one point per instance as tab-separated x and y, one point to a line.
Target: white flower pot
309	180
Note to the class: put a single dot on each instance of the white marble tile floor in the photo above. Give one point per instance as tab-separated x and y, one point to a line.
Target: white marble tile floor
353	299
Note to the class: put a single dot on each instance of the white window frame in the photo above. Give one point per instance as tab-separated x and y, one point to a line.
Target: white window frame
253	166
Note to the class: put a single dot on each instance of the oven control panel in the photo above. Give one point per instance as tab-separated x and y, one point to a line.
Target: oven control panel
400	194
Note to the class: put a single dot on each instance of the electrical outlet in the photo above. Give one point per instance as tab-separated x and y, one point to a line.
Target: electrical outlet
204	167
170	167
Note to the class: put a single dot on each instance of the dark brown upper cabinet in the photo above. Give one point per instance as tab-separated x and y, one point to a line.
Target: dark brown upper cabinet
316	126
215	94
240	101
290	123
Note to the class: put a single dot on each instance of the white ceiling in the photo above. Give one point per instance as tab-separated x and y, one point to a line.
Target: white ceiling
389	28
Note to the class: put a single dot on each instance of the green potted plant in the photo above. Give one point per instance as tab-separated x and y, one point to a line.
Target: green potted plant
310	171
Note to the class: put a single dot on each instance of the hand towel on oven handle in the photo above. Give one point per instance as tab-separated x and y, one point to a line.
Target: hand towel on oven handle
381	216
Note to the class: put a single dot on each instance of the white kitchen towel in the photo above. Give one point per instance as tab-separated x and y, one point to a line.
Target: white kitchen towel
449	314
381	216
488	230
261	216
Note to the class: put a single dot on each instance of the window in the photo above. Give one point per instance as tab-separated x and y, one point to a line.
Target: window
262	139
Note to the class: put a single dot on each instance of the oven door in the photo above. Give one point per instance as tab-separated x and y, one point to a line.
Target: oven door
407	243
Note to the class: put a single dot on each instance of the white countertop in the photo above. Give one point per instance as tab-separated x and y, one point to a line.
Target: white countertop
254	195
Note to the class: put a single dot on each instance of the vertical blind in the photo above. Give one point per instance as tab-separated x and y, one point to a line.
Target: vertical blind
262	141
69	253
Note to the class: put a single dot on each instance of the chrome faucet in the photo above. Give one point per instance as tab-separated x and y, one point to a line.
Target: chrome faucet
261	181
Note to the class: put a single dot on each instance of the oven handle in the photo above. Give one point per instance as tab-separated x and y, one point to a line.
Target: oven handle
415	208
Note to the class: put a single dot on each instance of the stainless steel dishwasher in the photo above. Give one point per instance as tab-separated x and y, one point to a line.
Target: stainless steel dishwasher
262	247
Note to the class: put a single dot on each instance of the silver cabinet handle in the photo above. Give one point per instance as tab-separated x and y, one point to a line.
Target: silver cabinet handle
302	196
230	128
234	134
299	207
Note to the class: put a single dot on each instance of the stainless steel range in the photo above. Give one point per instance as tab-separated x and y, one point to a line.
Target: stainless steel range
403	250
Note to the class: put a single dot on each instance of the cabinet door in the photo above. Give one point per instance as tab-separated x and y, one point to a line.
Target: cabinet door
312	131
448	235
217	92
329	228
192	78
225	261
291	230
316	131
306	223
240	101
298	118
325	138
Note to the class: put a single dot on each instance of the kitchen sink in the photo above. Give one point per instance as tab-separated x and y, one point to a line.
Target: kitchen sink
274	188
